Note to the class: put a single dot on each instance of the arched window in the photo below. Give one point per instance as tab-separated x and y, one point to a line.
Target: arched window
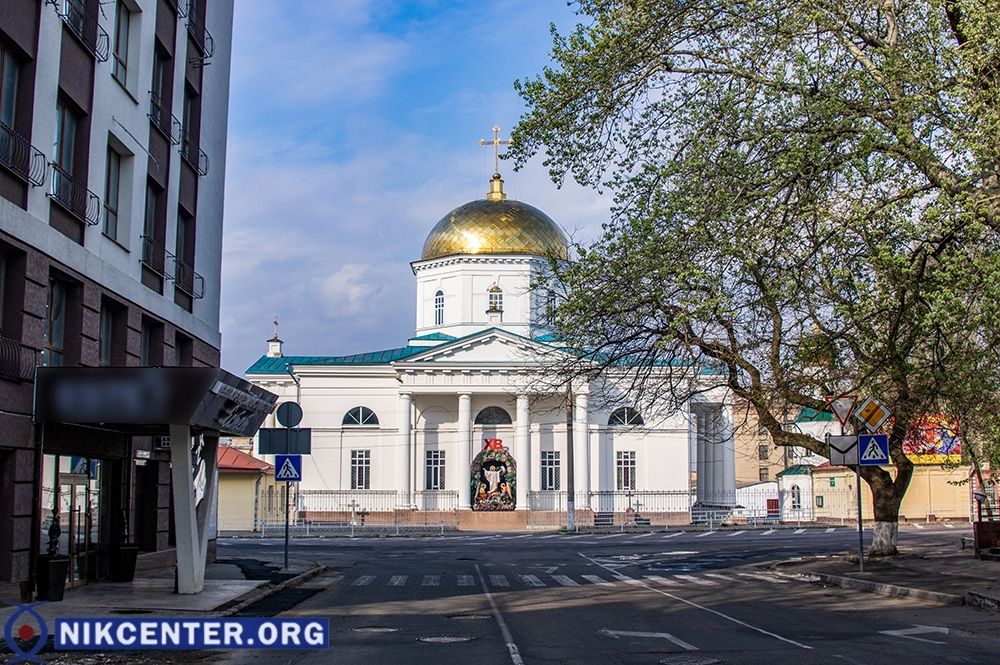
550	308
625	416
493	415
439	308
496	299
360	416
796	498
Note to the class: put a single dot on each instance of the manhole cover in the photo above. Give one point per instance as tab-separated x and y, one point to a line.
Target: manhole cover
468	617
684	659
375	629
444	639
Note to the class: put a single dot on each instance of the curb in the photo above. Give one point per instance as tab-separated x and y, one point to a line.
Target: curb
893	590
258	594
983	600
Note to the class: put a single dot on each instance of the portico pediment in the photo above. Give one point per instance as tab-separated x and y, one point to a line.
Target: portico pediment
490	347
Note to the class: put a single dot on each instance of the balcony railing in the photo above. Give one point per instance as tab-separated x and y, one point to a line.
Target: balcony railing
185	278
85	26
163	120
201	37
193	154
17	361
180	6
21	158
154	256
74	197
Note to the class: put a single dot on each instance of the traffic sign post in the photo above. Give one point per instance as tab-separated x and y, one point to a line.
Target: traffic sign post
873	449
843	450
846	448
287	445
289	469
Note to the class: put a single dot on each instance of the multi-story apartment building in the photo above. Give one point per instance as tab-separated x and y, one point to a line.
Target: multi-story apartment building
112	159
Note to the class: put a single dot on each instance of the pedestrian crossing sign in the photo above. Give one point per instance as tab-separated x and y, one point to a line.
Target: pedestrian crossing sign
873	449
289	468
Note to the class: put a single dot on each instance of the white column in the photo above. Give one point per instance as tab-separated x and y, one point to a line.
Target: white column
718	457
728	455
581	445
701	455
523	456
404	453
464	460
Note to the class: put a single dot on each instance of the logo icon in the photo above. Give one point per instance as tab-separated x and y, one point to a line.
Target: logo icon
17	631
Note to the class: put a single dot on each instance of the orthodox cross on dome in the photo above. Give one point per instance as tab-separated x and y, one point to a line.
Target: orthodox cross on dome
496	143
275	327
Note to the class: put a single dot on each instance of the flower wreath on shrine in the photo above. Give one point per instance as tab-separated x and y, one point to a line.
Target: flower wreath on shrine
494	478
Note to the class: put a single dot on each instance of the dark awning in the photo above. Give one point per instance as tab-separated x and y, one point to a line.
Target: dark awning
147	400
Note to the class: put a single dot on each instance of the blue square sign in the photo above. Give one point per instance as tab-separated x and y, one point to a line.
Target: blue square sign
873	449
288	468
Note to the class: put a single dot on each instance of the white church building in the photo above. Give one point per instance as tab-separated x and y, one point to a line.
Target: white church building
463	424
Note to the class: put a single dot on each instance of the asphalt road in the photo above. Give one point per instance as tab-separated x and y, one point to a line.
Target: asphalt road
680	598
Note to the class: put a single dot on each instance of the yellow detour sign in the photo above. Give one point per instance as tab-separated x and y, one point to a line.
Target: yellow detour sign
872	414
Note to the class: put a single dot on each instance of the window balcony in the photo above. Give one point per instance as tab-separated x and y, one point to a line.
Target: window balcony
154	255
193	154
84	26
17	361
21	158
201	36
74	197
180	6
163	120
185	278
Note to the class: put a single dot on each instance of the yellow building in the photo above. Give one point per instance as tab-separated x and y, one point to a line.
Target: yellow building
243	481
932	495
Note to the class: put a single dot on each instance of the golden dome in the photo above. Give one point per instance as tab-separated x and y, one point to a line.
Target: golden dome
495	226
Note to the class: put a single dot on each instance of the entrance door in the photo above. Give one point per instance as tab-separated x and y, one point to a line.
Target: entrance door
78	507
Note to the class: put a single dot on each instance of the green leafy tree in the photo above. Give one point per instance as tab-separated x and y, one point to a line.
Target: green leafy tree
806	199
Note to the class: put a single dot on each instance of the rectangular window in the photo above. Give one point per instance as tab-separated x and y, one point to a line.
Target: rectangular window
111	188
625	470
550	470
122	24
149	224
361	466
183	350
819	501
8	86
66	125
56	323
151	343
435	470
763	452
107	332
764	474
156	87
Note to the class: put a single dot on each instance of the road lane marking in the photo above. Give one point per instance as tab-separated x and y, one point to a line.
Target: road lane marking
431	580
720	576
949	526
515	653
618	634
644	535
662	580
398	580
830	530
565	580
696	580
613	535
499	580
707	609
702	535
673	535
909	633
918	527
767	533
465	580
765	578
364	580
736	533
627	580
554	535
798	531
595	579
532	580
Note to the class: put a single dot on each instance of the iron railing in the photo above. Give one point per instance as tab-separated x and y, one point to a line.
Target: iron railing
201	36
74	196
84	26
163	120
21	158
193	154
154	255
436	500
185	278
180	6
17	361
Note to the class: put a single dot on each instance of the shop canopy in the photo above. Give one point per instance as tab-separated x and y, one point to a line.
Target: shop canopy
148	400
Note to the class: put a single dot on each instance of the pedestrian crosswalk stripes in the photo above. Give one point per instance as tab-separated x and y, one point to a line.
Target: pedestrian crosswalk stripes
701	579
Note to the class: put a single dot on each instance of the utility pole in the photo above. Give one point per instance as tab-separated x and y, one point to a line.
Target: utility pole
570	485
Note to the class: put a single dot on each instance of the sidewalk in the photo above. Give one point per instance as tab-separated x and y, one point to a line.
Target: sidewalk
946	574
229	585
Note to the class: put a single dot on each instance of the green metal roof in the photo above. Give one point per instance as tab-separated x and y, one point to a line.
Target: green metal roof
808	415
435	337
797	470
266	365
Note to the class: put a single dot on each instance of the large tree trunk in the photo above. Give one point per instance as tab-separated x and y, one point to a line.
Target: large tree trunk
887	496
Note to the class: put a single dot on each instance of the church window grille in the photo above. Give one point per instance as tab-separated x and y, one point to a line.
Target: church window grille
764	474
361	469
625	416
625	470
550	308
550	470
360	416
435	470
439	308
763	452
796	498
496	299
493	415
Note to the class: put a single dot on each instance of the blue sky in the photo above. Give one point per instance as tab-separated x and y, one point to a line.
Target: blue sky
354	127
